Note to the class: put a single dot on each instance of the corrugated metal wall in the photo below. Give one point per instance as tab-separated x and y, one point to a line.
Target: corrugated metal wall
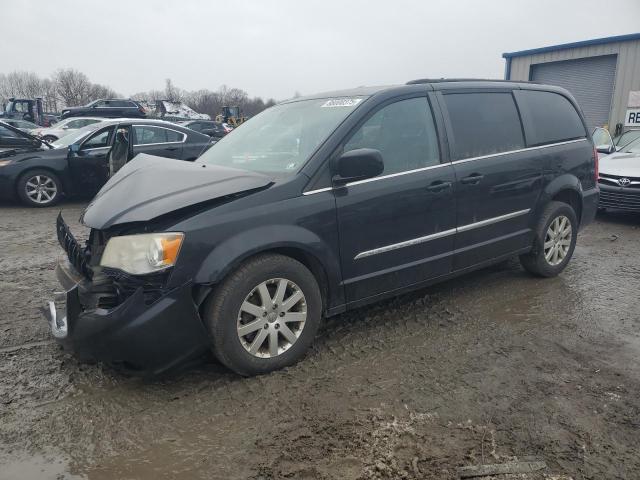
591	81
627	71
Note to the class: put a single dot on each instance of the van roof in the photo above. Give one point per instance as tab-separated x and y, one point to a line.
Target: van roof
429	84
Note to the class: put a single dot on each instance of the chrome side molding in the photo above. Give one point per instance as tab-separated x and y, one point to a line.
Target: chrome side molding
444	233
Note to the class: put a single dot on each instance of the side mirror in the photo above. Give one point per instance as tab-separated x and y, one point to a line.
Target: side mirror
74	148
357	165
603	141
607	149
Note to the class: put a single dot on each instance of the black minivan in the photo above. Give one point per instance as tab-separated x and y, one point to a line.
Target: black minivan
319	205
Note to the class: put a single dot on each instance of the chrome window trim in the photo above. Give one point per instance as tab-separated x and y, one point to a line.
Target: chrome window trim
444	233
94	148
319	190
453	162
519	150
397	174
184	136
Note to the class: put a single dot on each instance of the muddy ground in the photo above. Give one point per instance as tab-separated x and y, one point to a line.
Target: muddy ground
490	367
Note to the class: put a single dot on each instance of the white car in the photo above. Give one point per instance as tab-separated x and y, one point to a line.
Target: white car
64	127
619	175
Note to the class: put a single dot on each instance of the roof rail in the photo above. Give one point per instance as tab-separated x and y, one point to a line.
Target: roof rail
445	80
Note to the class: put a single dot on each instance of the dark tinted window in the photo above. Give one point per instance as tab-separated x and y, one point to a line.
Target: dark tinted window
403	132
195	126
549	117
483	124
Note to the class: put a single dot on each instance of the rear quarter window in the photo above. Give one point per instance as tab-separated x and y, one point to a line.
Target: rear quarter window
483	124
549	117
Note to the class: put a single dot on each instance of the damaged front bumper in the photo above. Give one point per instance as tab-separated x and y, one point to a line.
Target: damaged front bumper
137	334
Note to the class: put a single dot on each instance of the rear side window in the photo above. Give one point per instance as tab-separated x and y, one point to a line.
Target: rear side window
146	135
549	117
483	124
403	132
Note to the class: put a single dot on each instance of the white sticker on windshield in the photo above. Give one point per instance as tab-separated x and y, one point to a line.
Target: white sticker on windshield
341	102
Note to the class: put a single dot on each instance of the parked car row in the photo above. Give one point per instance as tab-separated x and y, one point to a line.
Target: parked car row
39	173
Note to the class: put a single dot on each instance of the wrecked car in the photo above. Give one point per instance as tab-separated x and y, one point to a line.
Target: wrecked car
77	165
316	206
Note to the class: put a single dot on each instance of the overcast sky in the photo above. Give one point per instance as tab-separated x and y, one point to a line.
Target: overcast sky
275	48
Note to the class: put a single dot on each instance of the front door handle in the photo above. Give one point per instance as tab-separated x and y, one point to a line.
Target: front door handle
438	186
472	179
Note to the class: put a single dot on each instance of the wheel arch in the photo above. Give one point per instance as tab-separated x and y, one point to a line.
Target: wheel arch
294	242
566	189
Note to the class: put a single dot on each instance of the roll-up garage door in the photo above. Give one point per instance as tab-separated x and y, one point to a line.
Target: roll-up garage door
590	80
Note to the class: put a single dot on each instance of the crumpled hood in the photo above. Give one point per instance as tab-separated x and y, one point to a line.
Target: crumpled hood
620	164
150	186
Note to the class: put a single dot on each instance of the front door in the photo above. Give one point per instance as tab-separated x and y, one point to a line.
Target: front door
160	141
498	181
397	229
89	164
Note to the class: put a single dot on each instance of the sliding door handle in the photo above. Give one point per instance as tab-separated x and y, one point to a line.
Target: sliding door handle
439	186
472	179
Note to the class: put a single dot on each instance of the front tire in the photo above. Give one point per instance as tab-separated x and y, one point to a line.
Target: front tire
39	188
264	316
555	240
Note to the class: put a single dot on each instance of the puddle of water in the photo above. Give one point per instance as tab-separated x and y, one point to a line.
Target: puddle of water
38	467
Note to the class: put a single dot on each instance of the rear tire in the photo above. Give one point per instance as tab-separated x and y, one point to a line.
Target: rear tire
264	316
555	240
49	138
39	188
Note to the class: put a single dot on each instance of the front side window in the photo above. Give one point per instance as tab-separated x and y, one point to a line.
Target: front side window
403	132
99	139
550	117
483	124
281	139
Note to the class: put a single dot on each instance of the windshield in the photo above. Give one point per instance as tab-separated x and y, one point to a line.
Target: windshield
633	147
282	138
627	137
76	135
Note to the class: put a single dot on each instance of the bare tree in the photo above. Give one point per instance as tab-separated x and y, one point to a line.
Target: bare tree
171	92
72	87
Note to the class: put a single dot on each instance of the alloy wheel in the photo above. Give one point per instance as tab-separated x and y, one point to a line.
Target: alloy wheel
271	318
41	189
557	240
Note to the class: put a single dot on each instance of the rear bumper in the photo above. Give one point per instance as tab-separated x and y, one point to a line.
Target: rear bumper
619	198
146	339
589	206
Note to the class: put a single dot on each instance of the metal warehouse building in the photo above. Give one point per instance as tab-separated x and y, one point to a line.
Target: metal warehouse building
600	73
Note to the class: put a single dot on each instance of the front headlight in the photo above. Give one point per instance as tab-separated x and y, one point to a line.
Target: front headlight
142	254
